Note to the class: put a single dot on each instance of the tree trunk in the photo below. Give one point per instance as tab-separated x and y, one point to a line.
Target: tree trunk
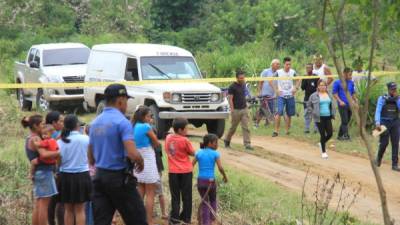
358	114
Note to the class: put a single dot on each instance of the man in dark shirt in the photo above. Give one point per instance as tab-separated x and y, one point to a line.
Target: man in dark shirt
309	86
239	112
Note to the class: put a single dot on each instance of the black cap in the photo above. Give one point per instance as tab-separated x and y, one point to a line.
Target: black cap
116	90
391	85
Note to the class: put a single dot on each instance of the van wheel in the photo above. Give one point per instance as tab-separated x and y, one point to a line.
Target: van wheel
100	107
23	103
41	103
216	127
160	124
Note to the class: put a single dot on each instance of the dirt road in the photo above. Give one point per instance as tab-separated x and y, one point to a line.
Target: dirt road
285	161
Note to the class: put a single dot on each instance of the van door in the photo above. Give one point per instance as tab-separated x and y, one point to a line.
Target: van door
103	67
132	74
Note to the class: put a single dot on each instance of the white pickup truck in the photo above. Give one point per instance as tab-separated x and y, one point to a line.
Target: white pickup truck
200	103
52	63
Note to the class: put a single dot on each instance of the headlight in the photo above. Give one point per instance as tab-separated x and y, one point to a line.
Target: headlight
176	97
215	97
167	96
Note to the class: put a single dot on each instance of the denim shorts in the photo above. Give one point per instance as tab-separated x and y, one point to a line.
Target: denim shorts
44	184
286	104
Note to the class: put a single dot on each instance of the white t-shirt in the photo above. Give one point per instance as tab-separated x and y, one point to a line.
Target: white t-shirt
320	72
285	87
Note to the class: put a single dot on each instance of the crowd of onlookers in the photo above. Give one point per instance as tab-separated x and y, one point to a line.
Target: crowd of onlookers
84	174
277	98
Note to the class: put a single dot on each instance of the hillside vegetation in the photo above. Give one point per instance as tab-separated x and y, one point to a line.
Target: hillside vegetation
223	34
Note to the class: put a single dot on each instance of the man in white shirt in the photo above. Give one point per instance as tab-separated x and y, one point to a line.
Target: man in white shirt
320	69
285	90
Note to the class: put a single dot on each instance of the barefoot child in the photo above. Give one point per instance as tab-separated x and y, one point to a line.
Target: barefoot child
160	169
207	157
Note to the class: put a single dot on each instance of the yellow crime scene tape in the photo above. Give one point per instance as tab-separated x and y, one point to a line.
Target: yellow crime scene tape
136	83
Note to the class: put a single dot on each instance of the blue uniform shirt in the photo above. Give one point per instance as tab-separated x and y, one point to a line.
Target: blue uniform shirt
338	89
207	158
266	88
379	106
74	154
107	135
140	134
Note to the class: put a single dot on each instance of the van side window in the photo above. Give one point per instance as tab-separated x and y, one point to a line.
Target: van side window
31	55
131	71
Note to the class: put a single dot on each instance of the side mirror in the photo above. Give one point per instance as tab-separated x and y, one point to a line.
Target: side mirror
34	64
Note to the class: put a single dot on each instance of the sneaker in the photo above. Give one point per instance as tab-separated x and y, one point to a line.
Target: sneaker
248	147
396	168
227	144
324	155
315	131
306	131
341	138
275	134
320	146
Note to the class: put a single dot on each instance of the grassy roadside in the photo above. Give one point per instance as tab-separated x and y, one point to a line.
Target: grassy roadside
244	200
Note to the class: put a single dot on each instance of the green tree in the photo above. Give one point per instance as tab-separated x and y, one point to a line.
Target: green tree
174	14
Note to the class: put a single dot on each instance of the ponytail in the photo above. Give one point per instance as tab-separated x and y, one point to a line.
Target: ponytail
140	114
71	122
207	139
25	122
64	134
31	121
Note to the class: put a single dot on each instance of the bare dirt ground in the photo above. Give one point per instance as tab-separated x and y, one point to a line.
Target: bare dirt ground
286	161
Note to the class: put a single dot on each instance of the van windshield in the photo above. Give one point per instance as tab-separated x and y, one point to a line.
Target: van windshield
168	68
67	56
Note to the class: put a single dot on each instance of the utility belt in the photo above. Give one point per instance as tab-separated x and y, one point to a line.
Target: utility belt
124	175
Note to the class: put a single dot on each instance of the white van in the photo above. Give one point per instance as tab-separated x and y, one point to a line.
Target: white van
200	103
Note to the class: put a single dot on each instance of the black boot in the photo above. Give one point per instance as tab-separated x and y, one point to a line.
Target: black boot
227	144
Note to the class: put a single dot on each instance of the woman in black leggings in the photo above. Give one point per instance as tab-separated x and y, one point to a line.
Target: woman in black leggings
322	109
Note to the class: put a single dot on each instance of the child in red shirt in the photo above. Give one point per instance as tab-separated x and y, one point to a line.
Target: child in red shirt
47	143
178	149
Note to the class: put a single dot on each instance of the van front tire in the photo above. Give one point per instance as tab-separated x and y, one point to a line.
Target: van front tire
100	107
216	127
161	125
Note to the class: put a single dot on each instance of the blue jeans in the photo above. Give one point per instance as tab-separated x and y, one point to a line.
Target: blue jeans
287	104
89	213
